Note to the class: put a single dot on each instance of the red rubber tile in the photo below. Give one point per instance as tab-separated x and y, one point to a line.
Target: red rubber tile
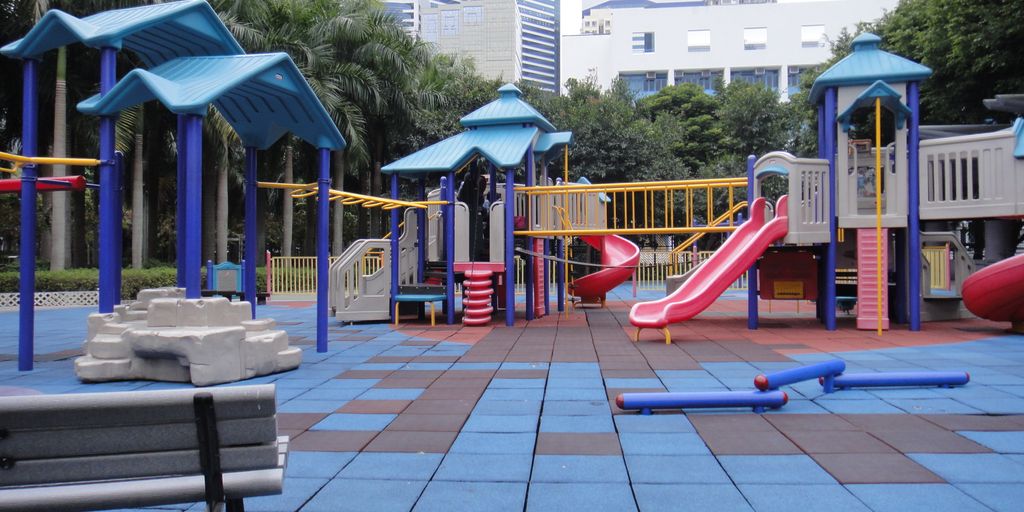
809	422
929	441
331	441
298	421
739	442
837	441
629	374
364	374
375	406
467	374
417	374
521	374
453	393
560	443
875	468
412	442
715	423
428	422
399	383
389	359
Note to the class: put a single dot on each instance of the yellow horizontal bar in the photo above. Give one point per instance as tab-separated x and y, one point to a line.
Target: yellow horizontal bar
721	219
625	231
289	186
637	186
48	160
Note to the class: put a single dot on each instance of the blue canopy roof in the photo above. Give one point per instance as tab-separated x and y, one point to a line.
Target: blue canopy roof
878	90
550	143
156	33
504	146
263	96
509	108
867	64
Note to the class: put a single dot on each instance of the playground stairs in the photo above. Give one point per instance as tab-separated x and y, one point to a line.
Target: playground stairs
868	306
477	304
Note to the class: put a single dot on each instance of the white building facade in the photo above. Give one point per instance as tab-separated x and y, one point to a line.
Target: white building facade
487	31
651	45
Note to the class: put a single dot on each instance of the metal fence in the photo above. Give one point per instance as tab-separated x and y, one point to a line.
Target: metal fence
292	275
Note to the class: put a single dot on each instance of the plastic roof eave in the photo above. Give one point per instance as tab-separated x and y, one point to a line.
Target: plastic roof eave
550	144
143	30
890	100
503	146
866	64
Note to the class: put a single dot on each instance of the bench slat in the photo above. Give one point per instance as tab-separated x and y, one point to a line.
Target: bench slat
80	442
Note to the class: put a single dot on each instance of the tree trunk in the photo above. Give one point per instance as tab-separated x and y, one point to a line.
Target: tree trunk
156	154
287	204
222	208
138	200
78	225
377	190
209	208
338	226
59	211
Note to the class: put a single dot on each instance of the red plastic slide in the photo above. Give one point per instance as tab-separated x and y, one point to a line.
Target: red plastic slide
714	276
996	292
619	254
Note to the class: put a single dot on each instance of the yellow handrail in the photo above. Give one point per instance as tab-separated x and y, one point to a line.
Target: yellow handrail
727	216
21	161
304	190
879	277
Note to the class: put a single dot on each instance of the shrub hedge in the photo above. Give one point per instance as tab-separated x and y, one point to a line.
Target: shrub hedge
84	279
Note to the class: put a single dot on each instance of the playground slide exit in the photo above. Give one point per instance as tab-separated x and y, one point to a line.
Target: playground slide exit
711	279
996	292
619	255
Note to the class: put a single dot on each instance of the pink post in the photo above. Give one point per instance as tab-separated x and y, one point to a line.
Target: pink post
270	267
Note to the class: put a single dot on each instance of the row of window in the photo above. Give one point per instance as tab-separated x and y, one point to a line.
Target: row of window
754	38
650	82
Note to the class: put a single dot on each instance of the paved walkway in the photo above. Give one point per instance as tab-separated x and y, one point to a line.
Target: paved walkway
521	418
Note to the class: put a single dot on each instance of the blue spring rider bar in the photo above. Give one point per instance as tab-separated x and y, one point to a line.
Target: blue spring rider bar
825	371
757	400
901	379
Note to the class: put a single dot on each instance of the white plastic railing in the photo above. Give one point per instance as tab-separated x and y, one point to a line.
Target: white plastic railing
808	195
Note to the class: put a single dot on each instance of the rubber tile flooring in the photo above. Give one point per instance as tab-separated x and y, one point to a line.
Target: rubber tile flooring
524	417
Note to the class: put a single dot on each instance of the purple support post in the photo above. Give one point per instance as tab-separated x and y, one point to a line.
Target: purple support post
110	217
395	255
421	231
914	219
829	300
510	245
27	249
179	214
323	242
826	370
449	251
646	402
249	271
530	279
752	319
193	204
560	274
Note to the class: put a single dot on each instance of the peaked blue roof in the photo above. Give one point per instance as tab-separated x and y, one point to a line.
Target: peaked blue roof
550	143
878	90
263	96
509	108
156	33
868	64
503	146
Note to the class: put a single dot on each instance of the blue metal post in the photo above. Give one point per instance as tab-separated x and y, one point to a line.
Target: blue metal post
193	204
27	249
530	277
449	250
560	274
323	243
249	271
914	219
421	231
510	245
179	214
395	255
752	273
110	217
829	300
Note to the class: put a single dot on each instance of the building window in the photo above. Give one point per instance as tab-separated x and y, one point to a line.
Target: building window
793	81
760	76
698	40
812	36
755	38
705	78
643	42
645	84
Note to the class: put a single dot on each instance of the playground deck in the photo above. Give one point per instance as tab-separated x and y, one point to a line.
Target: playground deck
514	418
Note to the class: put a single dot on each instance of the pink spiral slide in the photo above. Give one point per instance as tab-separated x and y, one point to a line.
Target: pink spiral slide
619	254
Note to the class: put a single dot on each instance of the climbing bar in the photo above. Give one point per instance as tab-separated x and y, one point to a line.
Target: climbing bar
304	190
723	218
900	379
825	371
646	402
20	161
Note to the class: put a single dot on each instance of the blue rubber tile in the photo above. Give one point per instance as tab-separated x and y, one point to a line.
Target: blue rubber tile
576	408
472	496
297	491
1002	442
906	393
848	394
675	469
665	423
524	366
560	382
427	366
932	406
576	424
558	366
683	374
316	464
475	442
346	421
982	468
998	405
634	443
875	406
286	383
516	384
585	394
345	495
1000	497
378	366
511	424
311	406
391	394
689	498
561	497
774	469
799	407
802	497
485	467
331	394
507	407
349	383
925	497
398	466
633	383
513	394
685	385
579	469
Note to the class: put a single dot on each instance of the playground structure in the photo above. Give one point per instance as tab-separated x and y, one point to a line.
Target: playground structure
192	62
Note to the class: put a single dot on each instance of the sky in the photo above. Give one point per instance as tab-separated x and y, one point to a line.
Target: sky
571	17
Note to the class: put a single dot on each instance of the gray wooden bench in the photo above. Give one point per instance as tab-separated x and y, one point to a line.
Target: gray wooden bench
132	449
